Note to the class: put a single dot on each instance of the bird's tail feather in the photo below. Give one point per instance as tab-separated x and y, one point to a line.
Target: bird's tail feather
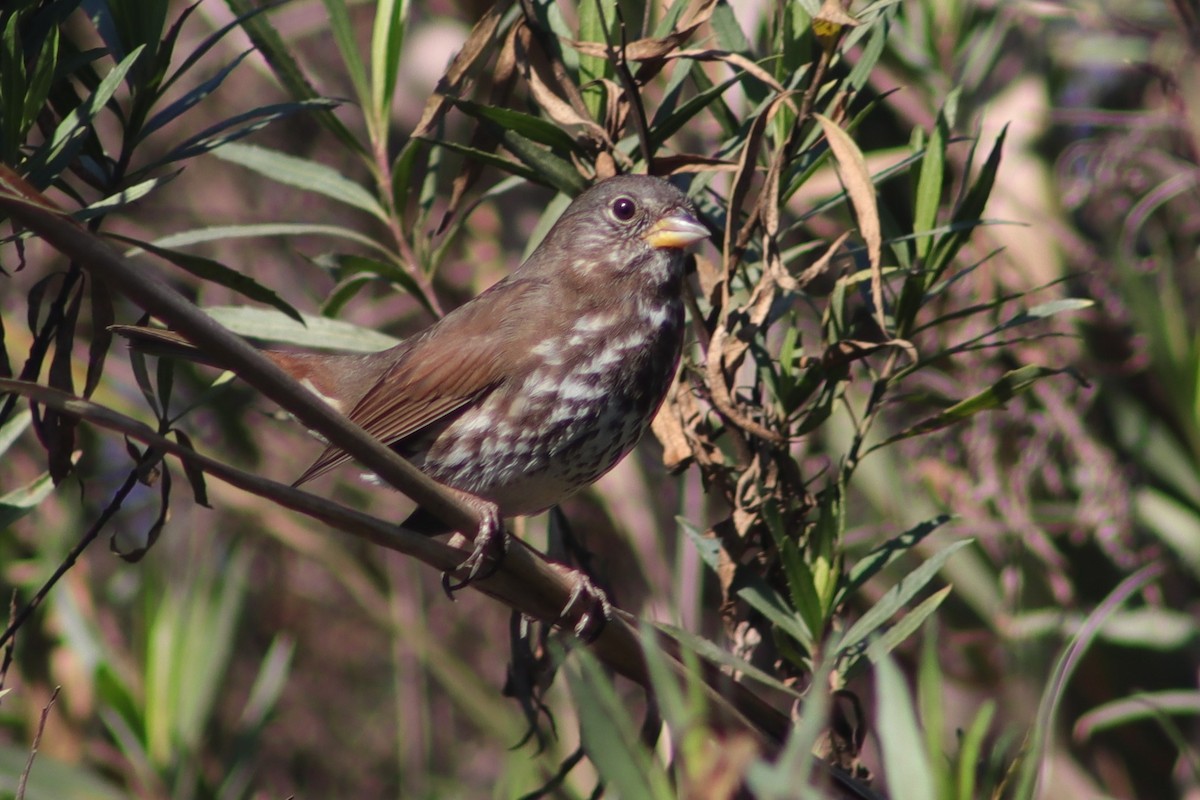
163	343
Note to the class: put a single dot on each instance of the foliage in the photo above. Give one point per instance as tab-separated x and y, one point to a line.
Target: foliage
879	432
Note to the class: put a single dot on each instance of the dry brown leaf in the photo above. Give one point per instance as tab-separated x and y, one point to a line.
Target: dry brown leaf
734	59
668	428
651	48
606	167
747	165
857	180
813	271
831	22
711	277
689	163
451	83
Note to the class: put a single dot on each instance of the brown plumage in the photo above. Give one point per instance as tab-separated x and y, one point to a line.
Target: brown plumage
541	384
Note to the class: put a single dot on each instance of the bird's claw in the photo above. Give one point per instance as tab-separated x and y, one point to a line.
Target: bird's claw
596	609
491	544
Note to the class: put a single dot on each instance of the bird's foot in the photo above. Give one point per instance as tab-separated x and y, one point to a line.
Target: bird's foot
587	610
491	544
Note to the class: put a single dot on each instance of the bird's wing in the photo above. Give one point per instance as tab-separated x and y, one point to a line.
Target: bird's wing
458	362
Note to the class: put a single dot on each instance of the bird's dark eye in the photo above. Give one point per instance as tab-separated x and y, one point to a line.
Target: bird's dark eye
623	209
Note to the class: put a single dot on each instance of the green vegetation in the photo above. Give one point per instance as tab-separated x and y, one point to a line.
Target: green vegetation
928	484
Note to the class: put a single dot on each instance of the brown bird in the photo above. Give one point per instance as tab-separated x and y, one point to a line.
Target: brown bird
542	383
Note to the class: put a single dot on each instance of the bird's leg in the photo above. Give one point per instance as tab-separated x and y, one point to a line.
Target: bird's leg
587	606
491	543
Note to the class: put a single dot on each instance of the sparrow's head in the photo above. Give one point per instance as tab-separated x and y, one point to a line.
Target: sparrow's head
623	225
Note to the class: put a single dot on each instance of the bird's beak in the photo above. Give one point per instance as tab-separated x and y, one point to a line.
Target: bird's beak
679	229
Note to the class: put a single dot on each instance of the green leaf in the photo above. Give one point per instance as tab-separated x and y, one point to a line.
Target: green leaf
208	269
597	20
69	135
929	185
1054	691
905	761
122	198
971	751
303	174
312	332
343	35
221	232
768	602
13	427
282	61
387	44
531	127
662	129
710	651
1137	707
190	99
898	597
506	165
345	265
610	735
871	564
237	127
51	778
1010	385
907	625
548	168
967	215
22	500
1175	523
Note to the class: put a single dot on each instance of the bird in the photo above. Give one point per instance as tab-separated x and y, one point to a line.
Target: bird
538	386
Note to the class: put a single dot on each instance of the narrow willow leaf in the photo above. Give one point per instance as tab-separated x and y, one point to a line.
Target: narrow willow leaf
898	597
610	735
215	272
222	232
529	126
871	564
70	134
303	174
1137	707
282	61
551	169
317	332
708	548
343	35
905	761
190	99
663	129
768	602
237	127
1010	385
122	198
20	501
710	651
347	265
13	427
857	180
1032	767
929	184
387	44
968	214
907	625
506	165
970	752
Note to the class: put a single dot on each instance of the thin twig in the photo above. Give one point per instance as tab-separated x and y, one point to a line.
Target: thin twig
18	619
37	740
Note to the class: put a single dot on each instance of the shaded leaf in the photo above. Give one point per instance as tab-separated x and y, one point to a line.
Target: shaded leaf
303	174
215	272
